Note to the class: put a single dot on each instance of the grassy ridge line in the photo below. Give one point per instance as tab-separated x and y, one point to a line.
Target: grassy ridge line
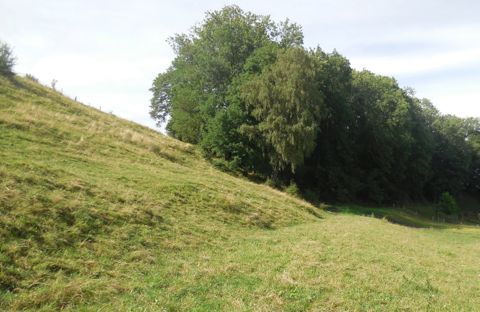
88	200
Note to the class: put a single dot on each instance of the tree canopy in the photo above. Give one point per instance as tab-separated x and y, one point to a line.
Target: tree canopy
7	59
245	89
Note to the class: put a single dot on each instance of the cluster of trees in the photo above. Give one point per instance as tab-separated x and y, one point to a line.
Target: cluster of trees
7	60
246	90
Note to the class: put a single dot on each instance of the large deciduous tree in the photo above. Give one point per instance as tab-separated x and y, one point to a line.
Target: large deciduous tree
286	101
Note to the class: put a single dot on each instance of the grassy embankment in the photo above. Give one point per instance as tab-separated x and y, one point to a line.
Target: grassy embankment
98	213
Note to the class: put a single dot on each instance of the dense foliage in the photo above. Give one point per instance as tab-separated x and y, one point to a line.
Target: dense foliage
7	59
246	90
447	204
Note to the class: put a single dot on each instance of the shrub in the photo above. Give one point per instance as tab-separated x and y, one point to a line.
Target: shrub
311	196
269	182
31	77
7	60
447	204
273	183
292	189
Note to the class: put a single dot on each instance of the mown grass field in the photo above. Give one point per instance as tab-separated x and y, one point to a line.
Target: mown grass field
101	214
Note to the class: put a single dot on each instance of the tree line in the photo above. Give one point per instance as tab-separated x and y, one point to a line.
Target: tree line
246	90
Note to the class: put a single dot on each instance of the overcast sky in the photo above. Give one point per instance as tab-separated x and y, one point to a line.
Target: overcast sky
107	53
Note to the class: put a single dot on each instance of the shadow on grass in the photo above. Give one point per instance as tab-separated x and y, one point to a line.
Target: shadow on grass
398	216
419	216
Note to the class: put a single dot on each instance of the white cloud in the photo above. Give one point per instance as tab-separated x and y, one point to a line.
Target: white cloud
464	104
411	64
108	52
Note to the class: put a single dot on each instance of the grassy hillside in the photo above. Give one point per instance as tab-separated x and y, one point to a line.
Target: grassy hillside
98	213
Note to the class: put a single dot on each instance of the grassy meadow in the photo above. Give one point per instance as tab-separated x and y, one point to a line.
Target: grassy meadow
101	214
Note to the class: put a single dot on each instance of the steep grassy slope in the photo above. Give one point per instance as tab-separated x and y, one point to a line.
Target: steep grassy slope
88	199
98	213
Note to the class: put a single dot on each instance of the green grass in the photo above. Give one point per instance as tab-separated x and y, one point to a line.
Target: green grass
98	213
